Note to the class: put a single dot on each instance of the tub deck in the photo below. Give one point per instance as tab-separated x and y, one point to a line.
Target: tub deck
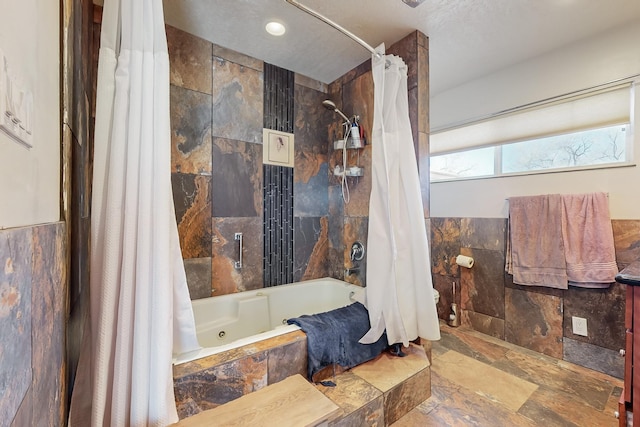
292	401
377	392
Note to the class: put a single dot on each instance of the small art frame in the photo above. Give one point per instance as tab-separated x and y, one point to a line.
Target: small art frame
277	148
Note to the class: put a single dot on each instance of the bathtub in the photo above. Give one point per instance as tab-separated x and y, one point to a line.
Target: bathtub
229	321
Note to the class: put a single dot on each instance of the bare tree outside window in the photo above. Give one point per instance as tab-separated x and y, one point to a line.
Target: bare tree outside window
578	149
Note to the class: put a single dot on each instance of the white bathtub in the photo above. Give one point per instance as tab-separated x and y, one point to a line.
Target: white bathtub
229	321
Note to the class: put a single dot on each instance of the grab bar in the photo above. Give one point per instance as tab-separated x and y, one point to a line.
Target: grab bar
238	264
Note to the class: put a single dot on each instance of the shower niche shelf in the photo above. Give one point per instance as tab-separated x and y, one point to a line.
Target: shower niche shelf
353	170
351	144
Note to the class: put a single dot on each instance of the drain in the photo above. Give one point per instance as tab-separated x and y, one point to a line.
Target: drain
284	321
221	334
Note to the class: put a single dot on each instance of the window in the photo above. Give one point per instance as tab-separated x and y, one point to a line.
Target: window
591	130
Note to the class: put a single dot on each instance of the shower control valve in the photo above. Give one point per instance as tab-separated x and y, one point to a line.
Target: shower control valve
357	251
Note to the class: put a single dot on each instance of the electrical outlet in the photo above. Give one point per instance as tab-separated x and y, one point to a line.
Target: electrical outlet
579	326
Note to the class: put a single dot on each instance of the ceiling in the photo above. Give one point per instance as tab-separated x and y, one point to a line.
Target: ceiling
467	38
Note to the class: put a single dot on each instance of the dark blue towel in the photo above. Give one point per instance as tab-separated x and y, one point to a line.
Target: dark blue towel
332	337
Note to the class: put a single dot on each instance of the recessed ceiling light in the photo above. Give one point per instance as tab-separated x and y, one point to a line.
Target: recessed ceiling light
275	28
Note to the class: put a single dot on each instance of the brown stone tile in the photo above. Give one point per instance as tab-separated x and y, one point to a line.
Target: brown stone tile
336	234
187	408
534	321
612	404
195	366
413	120
357	99
483	233
189	60
310	187
227	279
359	187
407	49
198	277
16	246
476	345
48	322
482	286
237	58
387	371
604	311
424	172
190	131
310	83
237	179
312	120
445	245
192	201
423	87
24	414
217	385
452	405
407	395
557	408
237	102
506	389
370	415
444	285
352	393
594	357
286	360
489	325
311	245
355	230
627	241
559	376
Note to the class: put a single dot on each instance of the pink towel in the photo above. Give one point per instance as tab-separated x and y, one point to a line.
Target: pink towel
535	253
588	239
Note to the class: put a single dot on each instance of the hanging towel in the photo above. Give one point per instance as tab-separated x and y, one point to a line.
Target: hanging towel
535	251
588	240
332	338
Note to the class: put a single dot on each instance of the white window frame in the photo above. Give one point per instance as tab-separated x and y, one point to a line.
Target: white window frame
632	117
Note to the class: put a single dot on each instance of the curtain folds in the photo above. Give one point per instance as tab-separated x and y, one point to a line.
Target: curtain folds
399	289
140	308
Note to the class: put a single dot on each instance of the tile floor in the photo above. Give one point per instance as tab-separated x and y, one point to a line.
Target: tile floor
478	380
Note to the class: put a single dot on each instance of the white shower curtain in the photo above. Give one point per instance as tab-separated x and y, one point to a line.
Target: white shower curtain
399	292
140	308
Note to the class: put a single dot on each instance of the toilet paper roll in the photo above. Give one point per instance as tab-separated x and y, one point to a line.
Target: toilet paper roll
464	261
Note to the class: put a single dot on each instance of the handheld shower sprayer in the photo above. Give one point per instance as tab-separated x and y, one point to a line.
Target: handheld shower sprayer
330	105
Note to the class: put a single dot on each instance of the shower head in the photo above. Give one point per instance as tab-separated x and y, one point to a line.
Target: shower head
330	105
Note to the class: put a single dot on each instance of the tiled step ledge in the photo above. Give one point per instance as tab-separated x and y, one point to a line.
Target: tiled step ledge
380	391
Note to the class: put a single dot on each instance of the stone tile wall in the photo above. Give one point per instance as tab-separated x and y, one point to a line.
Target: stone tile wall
214	380
216	121
353	94
216	117
536	318
33	283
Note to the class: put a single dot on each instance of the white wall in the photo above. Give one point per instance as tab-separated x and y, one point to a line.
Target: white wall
610	56
30	178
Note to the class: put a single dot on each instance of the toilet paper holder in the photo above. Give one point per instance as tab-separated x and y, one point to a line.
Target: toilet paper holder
465	261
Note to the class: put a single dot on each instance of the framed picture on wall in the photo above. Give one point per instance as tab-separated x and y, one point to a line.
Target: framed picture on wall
277	148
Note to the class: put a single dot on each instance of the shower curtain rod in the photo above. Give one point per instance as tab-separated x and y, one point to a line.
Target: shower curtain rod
336	26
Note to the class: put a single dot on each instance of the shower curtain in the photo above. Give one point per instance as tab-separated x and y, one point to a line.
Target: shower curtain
140	308
399	292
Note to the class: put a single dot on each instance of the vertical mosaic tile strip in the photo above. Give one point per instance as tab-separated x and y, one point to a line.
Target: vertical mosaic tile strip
278	181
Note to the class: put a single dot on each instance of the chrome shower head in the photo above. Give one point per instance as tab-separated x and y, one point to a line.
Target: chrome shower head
330	105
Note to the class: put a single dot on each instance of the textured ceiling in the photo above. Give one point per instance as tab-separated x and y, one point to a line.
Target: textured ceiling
467	38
